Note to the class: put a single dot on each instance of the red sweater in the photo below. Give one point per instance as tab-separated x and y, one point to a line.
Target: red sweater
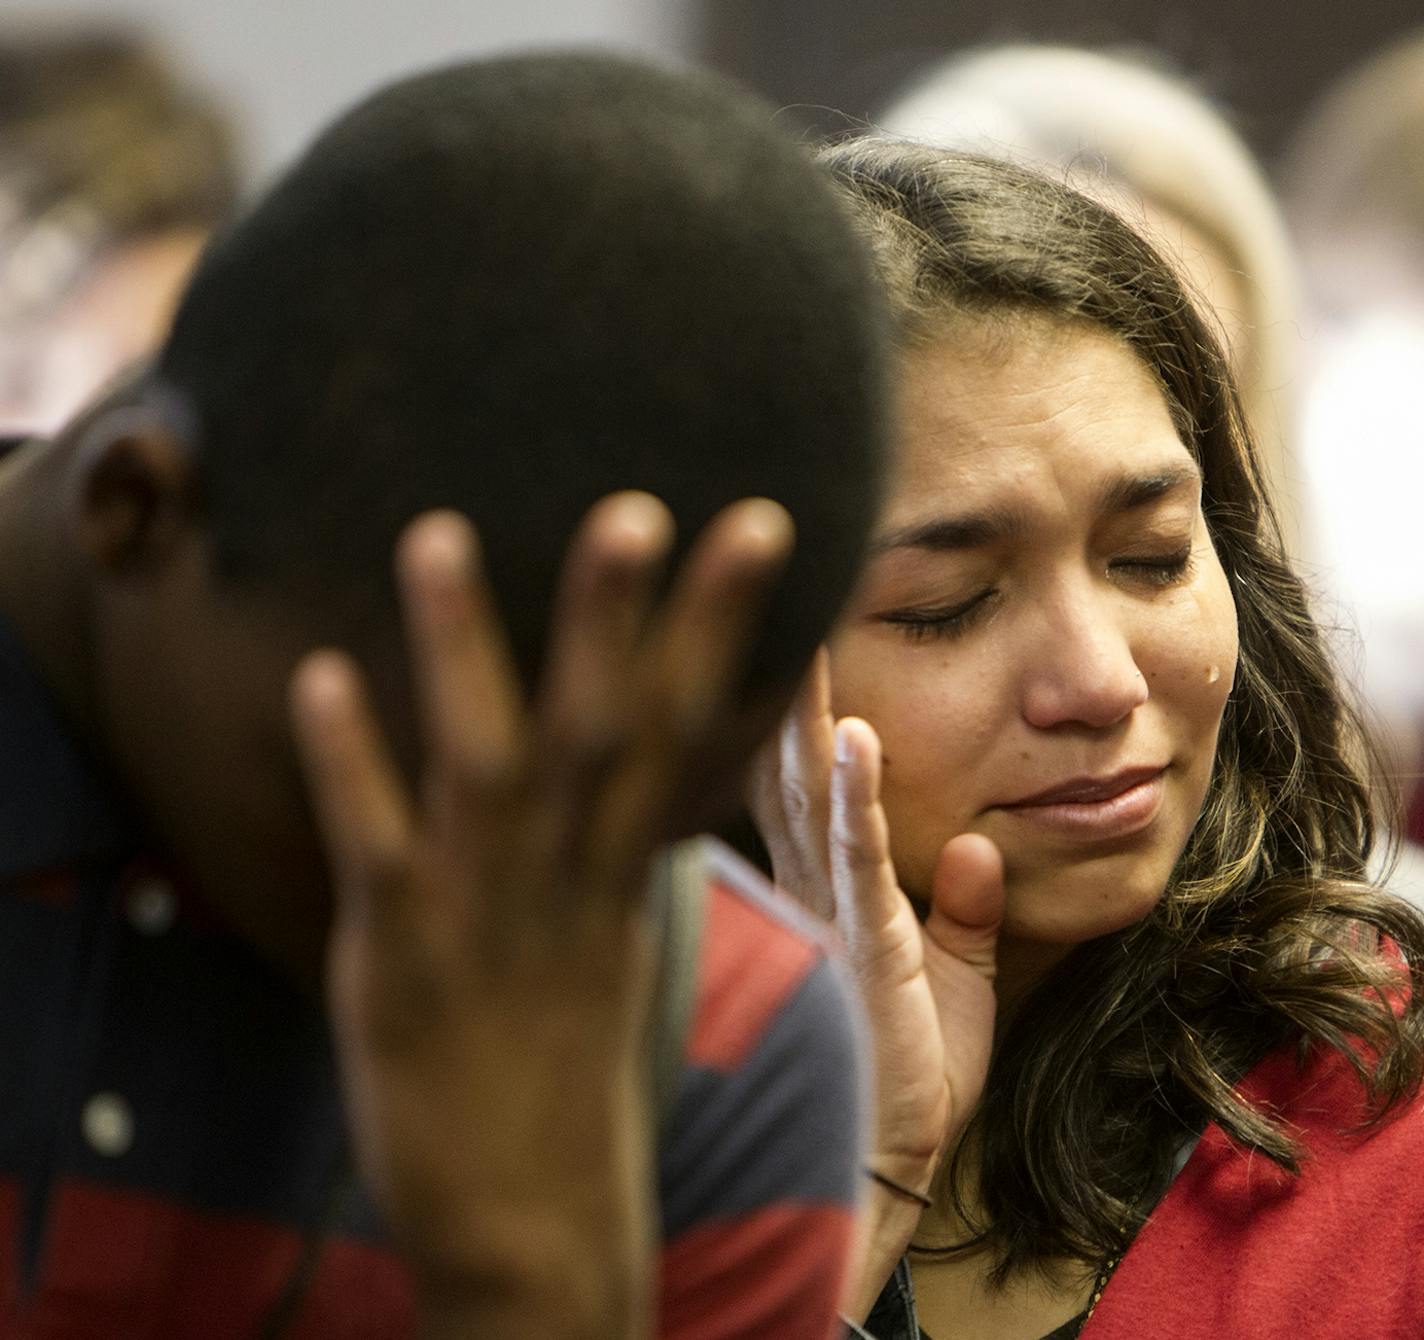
1241	1250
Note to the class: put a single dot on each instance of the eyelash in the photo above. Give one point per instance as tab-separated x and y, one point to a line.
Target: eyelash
923	624
920	624
1161	569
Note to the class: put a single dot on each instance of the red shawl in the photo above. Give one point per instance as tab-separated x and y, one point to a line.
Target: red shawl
1239	1249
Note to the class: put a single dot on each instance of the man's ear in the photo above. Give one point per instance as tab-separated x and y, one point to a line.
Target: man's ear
133	489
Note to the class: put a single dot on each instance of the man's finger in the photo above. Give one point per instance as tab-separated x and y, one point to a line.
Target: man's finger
717	603
469	691
606	591
693	658
356	792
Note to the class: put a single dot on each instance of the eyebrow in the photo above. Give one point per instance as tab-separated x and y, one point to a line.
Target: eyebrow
1130	491
977	529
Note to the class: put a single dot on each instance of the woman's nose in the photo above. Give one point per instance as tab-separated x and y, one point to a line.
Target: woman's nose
1082	670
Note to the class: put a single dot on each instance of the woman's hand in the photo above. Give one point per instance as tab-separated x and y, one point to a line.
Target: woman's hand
928	990
488	971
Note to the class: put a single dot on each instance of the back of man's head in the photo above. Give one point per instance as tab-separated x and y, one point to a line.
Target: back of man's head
511	288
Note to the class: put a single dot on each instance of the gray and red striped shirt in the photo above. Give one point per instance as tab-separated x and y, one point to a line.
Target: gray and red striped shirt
173	1162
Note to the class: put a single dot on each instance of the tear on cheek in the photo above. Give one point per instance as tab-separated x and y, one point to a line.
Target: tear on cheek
1213	673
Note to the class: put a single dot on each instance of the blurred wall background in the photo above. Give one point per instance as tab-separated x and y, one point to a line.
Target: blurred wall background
283	67
1265	58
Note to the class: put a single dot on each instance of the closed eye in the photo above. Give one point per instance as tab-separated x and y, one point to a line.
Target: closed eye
1156	569
940	621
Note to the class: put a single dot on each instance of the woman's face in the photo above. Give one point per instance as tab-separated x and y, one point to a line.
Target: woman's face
1044	638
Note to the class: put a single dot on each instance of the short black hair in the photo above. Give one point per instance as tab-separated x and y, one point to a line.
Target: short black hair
511	287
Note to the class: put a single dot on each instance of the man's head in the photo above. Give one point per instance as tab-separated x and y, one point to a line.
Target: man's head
510	289
513	288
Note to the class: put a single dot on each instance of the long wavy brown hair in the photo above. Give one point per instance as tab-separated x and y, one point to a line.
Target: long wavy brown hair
1269	934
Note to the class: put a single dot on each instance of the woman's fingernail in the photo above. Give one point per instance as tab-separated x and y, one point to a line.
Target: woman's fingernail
843	749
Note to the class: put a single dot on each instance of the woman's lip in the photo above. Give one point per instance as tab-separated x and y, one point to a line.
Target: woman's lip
1086	790
1128	811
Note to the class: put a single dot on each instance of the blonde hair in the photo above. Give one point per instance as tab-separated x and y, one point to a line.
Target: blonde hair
1355	176
101	144
1116	128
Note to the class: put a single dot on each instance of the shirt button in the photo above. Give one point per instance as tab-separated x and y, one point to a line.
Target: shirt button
151	905
107	1121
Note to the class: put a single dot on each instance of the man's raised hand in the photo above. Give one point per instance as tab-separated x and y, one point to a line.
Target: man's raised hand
489	973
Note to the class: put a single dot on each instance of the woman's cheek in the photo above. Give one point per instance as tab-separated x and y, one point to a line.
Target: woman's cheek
1190	661
923	705
936	732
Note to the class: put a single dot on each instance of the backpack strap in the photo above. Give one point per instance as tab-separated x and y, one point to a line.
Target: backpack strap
677	902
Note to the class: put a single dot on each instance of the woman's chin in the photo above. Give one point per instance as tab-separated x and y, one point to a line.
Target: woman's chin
1068	911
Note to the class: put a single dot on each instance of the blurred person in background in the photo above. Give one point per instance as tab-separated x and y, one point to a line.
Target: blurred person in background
1354	187
113	171
1157	150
